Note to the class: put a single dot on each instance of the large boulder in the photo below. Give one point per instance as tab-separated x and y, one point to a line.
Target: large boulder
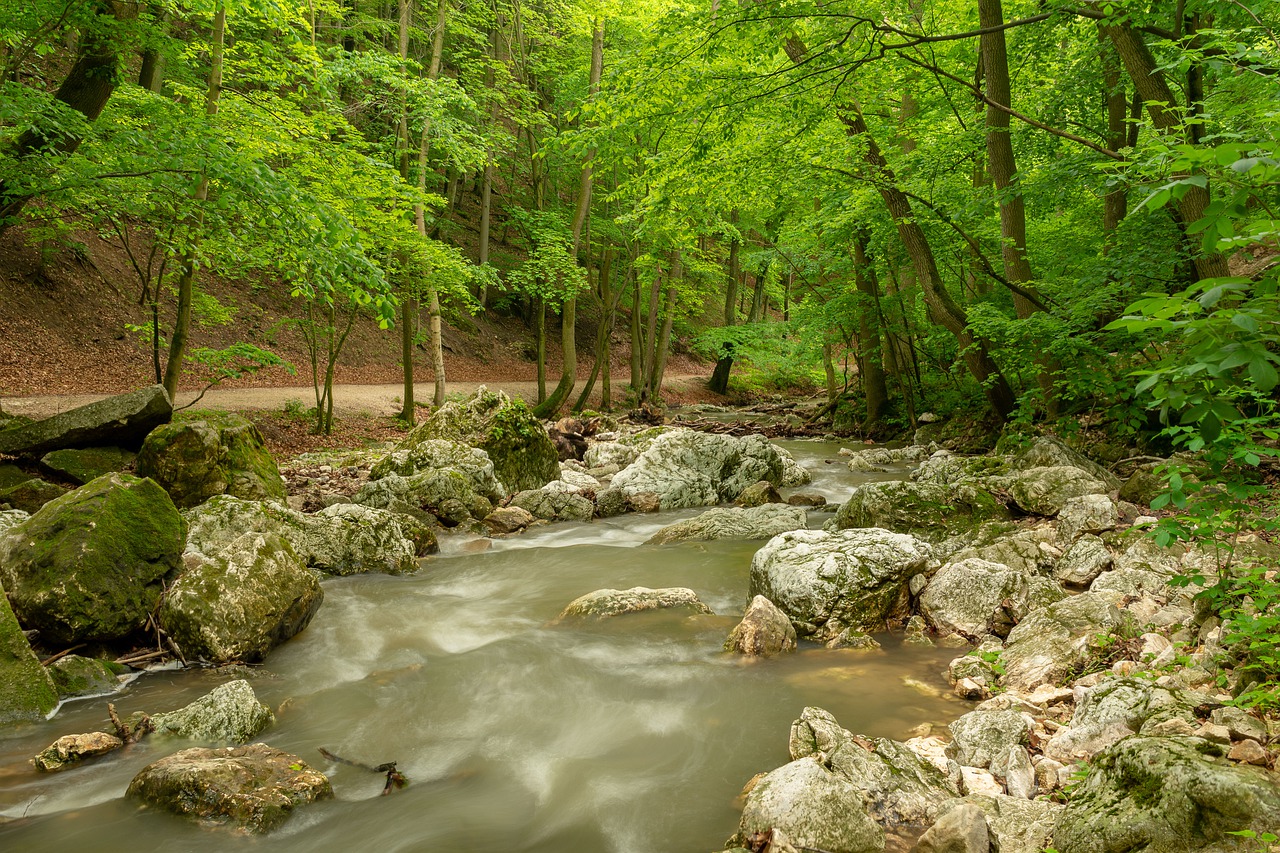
555	504
239	604
901	787
30	495
980	736
26	691
91	565
829	582
1046	490
1054	641
814	806
76	676
975	597
253	788
928	511
437	456
1167	794
762	522
221	454
961	830
764	631
523	455
1116	709
878	459
122	421
685	468
342	539
230	713
80	465
1014	824
604	603
1049	452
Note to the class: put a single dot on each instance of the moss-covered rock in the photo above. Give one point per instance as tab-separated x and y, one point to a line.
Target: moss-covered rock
763	522
1046	490
83	465
241	603
926	510
75	676
522	453
253	788
26	691
10	518
815	807
230	713
30	495
220	454
555	504
91	565
70	750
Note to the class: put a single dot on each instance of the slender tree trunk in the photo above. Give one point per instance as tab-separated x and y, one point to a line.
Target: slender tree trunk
186	278
664	340
540	331
651	332
829	368
601	352
408	304
1161	104
636	380
1115	202
870	360
435	334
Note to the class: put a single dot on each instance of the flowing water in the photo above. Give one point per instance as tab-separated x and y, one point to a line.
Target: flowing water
516	735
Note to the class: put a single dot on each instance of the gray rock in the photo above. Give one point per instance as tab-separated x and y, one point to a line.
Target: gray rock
1115	709
555	505
1014	825
1045	491
1047	452
961	830
30	495
980	736
604	603
439	457
70	750
120	421
605	453
12	518
764	631
815	807
1012	768
928	511
901	787
792	472
1053	641
1020	548
945	468
975	597
1240	723
239	604
1167	794
827	582
763	522
230	713
1086	514
687	468
254	788
758	494
1083	562
508	519
221	454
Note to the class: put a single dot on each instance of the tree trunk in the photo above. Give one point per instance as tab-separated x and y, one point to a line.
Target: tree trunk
86	89
435	336
603	331
664	340
408	305
540	332
1161	104
870	358
1115	202
186	279
636	380
731	294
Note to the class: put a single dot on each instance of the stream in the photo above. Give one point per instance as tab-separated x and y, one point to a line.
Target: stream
632	735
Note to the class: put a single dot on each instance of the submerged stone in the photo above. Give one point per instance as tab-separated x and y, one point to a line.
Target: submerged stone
604	603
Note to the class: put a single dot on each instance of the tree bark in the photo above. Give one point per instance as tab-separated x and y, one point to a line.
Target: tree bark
870	358
408	304
1116	201
664	339
636	380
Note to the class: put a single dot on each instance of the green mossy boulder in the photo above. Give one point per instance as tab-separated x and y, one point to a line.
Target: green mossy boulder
26	691
76	676
241	603
11	475
91	565
90	463
230	713
925	510
221	454
517	443
30	495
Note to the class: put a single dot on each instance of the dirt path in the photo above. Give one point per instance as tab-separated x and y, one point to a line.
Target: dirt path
374	399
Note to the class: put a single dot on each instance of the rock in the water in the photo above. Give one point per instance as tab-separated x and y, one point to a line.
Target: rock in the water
30	495
815	807
685	468
26	691
604	603
555	505
241	603
975	598
1045	491
91	565
121	421
758	494
1084	561
1168	794
929	511
762	522
253	787
980	736
1014	825
764	630
70	750
523	455
222	454
230	713
807	499
75	676
84	464
342	539
961	830
827	582
1053	641
902	788
793	474
881	458
508	519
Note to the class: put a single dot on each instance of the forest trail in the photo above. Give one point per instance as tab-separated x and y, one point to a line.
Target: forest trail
380	399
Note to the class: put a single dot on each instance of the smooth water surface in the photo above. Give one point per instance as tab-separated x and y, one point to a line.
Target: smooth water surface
516	734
